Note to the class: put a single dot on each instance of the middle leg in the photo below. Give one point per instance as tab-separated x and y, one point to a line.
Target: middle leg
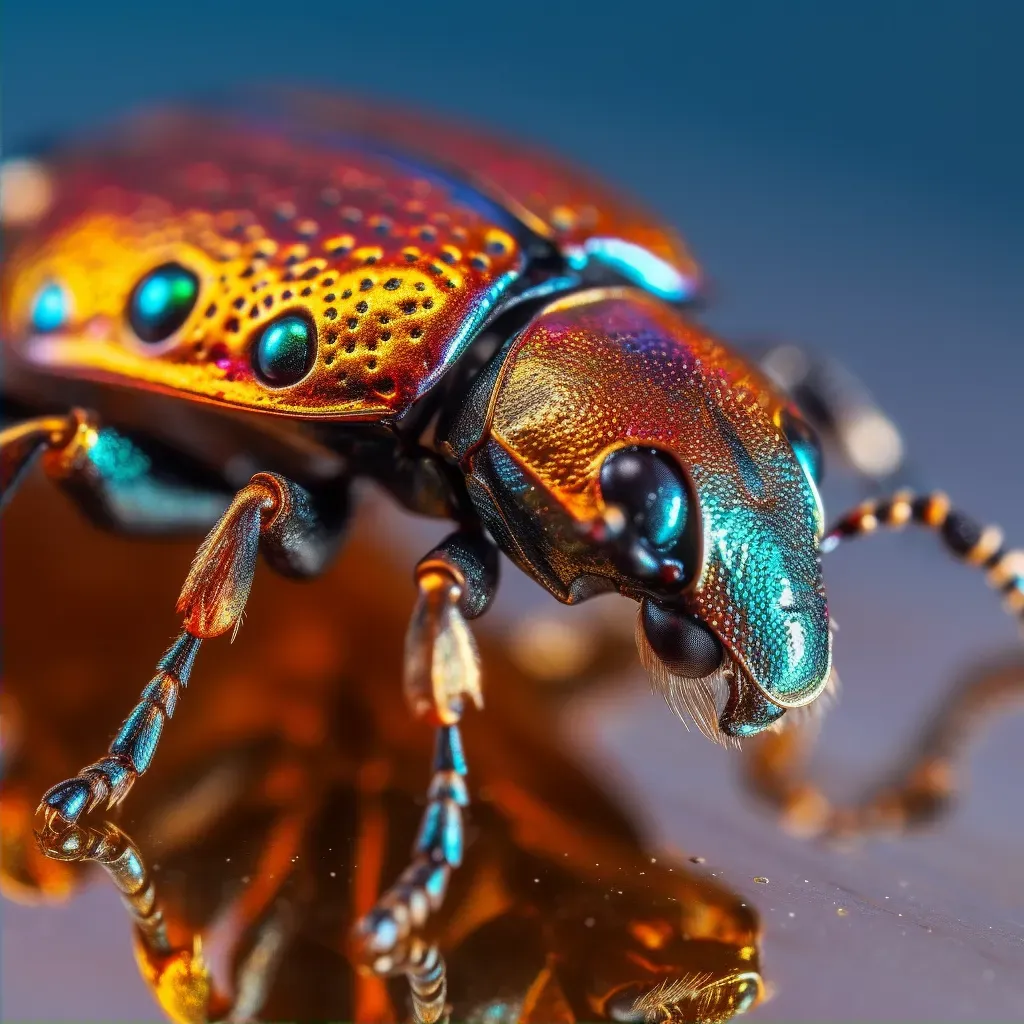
455	582
297	539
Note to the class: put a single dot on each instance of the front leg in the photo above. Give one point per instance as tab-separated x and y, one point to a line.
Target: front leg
456	582
118	482
269	513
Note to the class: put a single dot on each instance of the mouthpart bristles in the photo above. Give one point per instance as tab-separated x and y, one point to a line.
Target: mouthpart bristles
693	700
703	701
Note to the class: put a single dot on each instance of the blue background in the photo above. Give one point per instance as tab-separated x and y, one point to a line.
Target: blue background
851	177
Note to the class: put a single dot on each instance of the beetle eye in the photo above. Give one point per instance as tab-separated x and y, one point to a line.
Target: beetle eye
651	492
687	647
161	302
806	446
51	307
284	351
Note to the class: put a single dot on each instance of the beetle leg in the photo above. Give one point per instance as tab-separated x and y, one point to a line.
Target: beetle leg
120	858
842	411
177	974
456	582
116	482
269	512
22	443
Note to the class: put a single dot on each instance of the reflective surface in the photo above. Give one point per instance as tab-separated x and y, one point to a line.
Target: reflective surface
288	791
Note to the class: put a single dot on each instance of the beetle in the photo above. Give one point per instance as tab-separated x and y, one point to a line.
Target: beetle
497	338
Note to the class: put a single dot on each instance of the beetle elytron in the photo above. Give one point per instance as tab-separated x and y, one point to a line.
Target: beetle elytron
499	340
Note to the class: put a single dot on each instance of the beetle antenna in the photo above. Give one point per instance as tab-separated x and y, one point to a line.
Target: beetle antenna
961	535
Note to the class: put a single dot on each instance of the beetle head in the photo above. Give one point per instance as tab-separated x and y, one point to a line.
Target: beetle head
615	446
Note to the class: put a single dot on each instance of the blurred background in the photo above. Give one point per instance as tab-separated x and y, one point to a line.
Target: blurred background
850	176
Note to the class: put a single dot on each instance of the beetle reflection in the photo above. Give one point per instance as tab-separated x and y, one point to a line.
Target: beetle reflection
529	936
288	795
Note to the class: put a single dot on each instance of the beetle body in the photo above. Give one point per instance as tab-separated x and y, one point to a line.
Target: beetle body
496	337
344	269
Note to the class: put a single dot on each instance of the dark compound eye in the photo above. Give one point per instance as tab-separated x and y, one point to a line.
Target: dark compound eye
285	350
686	646
161	302
651	491
806	446
51	307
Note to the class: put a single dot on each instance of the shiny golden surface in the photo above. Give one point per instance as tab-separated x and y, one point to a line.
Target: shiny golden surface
555	199
392	268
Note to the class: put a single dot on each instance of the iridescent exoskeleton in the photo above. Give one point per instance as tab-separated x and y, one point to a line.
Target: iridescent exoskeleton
498	339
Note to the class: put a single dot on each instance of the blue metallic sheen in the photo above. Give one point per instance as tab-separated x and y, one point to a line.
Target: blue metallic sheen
117	458
427	839
638	265
435	883
748	711
137	739
285	350
381	929
51	309
452	833
808	459
162	302
116	771
448	755
132	871
441	833
69	799
179	658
